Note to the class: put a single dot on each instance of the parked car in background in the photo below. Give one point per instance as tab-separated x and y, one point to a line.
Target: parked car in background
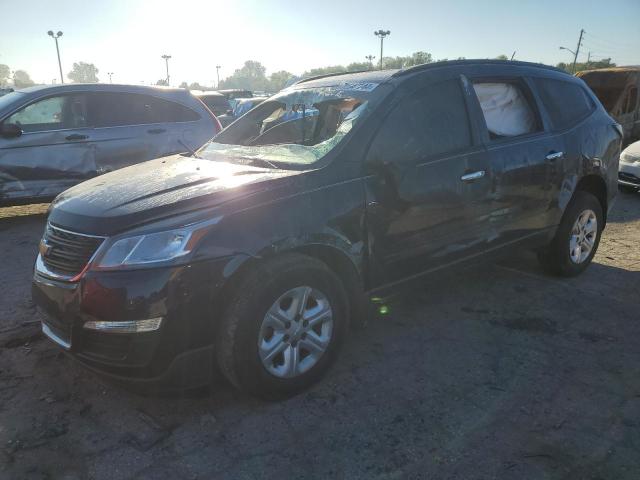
617	89
233	93
53	137
629	172
216	102
255	254
242	106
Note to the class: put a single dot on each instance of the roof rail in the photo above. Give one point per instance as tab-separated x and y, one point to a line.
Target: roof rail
326	75
487	61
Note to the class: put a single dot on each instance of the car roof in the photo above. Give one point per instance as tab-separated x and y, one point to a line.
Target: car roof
104	87
381	76
372	76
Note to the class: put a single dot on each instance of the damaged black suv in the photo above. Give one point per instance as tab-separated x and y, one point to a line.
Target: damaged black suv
252	255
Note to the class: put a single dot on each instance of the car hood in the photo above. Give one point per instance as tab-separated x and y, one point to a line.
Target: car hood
158	189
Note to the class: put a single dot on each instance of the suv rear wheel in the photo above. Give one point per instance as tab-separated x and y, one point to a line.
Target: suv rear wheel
282	327
577	238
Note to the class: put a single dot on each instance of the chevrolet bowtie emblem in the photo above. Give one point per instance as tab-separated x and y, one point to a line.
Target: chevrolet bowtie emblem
44	248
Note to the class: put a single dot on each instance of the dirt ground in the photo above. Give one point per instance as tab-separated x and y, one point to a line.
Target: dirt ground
494	372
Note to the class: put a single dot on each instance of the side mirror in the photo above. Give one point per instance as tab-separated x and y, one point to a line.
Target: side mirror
10	130
229	112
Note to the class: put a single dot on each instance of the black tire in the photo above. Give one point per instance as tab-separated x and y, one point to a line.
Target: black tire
556	258
627	189
239	329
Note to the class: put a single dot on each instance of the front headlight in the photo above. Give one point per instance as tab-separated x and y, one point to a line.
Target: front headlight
628	158
152	248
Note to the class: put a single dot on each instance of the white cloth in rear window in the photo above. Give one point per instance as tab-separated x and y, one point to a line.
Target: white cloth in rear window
506	110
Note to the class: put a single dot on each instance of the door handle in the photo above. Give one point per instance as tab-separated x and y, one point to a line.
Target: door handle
470	177
76	136
156	131
554	156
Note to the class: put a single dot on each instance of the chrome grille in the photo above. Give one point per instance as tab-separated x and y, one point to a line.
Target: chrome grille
65	252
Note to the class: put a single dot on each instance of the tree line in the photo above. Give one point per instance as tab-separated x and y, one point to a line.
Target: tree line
80	73
253	75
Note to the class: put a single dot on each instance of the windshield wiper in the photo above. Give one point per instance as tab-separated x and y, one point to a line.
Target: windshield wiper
191	151
262	162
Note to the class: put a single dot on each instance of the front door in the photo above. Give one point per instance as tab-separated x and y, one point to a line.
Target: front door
429	195
54	151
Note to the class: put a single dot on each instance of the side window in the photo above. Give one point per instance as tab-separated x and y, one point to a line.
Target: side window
53	113
167	111
507	110
567	103
431	122
632	100
119	109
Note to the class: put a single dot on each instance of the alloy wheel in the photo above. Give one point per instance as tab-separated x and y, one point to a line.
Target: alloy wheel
583	236
295	332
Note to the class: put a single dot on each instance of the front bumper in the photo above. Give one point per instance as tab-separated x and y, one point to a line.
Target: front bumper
180	352
629	174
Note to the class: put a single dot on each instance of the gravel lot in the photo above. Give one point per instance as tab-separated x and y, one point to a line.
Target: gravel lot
491	372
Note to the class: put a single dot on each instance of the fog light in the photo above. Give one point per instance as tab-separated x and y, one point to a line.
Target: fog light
131	326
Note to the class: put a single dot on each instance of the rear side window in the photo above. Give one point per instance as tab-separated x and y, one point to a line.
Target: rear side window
506	109
118	109
566	103
431	122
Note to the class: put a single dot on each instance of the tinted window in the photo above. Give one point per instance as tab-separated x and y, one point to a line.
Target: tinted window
507	110
566	103
115	109
432	122
53	113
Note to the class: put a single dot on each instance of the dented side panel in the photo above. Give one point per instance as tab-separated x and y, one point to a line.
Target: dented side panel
43	164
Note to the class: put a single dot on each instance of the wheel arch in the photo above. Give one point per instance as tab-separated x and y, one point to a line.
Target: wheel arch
595	185
338	261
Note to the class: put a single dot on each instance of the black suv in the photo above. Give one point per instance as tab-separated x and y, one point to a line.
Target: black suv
253	255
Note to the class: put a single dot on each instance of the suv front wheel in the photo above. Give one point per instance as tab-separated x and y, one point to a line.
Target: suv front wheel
577	237
282	327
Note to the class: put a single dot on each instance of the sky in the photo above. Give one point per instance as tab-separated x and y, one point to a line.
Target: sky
128	37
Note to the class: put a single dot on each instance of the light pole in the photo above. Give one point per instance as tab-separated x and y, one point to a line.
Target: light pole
370	58
110	73
55	37
166	61
382	34
218	76
569	50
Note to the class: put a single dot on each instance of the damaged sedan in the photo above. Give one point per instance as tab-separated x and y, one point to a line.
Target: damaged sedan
52	138
253	255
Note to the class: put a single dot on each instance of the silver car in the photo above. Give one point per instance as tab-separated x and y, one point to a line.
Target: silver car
52	137
629	170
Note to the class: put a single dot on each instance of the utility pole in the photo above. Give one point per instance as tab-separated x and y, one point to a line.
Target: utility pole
370	58
166	61
55	37
110	73
382	34
218	76
588	59
575	57
513	55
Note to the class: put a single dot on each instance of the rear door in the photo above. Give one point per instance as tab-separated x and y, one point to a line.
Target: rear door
524	156
132	128
429	198
54	152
